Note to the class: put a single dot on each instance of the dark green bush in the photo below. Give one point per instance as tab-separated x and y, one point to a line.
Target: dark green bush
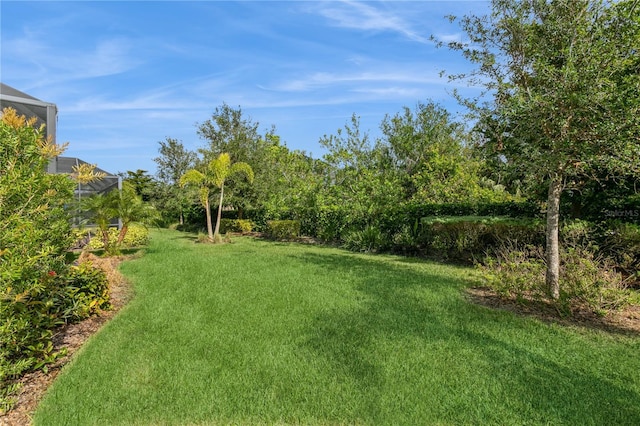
236	225
467	239
30	316
369	239
283	229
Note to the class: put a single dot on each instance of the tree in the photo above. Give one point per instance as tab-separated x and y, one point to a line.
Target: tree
173	162
215	174
124	204
129	207
101	210
427	151
230	131
141	183
564	84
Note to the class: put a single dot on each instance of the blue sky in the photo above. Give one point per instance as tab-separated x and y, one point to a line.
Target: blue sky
126	75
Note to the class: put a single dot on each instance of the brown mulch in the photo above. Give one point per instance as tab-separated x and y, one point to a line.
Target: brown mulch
624	322
71	337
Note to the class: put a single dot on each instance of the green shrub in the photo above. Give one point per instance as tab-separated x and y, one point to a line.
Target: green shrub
586	281
137	236
28	318
283	229
470	238
515	272
369	239
236	225
88	288
34	237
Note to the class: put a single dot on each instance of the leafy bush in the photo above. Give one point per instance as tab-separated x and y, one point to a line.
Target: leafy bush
515	272
236	225
369	239
38	289
88	288
29	316
470	238
34	235
283	229
137	236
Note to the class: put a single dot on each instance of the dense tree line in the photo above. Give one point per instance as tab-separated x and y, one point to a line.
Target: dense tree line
557	130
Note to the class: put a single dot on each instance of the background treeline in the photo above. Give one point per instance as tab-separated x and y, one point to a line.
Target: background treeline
429	186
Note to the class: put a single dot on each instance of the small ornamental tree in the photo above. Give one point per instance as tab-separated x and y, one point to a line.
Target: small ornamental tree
565	83
214	175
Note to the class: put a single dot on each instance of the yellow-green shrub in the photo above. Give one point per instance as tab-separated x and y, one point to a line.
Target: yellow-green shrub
137	235
283	229
236	225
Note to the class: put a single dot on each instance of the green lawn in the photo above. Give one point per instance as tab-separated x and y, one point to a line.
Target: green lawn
258	332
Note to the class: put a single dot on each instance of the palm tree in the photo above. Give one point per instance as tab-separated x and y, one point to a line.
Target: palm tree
101	211
215	175
129	207
124	204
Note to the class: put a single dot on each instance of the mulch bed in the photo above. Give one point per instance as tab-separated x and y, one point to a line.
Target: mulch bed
626	321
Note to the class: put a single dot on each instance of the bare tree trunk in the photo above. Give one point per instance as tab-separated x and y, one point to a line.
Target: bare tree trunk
209	227
219	210
122	234
553	246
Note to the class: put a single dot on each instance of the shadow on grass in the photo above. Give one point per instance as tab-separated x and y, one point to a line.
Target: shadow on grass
400	302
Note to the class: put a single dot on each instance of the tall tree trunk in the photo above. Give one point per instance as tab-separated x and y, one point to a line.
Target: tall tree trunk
207	207
219	210
553	246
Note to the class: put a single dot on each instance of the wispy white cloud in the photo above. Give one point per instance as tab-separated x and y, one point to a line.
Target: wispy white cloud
327	79
364	16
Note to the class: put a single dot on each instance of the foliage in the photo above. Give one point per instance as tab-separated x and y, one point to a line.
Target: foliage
283	229
140	182
236	225
173	162
29	316
588	282
124	205
369	239
230	131
38	289
214	175
137	236
564	81
468	239
427	151
515	272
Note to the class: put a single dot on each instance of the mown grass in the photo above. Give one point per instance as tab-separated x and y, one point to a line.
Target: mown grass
258	332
